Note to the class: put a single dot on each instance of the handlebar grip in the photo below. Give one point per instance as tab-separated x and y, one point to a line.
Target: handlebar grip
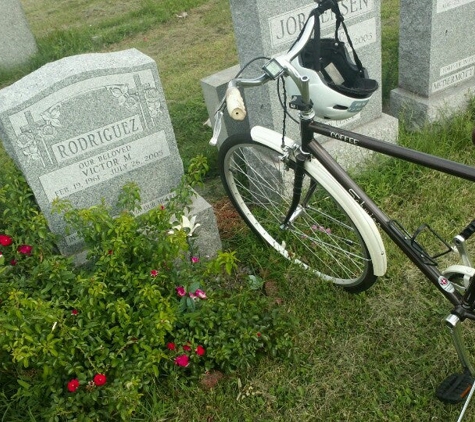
468	231
235	104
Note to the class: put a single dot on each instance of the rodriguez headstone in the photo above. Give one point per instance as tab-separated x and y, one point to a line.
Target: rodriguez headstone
269	27
81	127
436	59
17	42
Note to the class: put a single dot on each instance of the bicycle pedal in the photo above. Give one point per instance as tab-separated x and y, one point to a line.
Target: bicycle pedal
455	388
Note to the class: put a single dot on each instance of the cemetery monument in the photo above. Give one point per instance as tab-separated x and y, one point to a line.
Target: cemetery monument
83	126
17	42
436	59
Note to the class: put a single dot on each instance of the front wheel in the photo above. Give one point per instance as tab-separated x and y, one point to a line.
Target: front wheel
321	237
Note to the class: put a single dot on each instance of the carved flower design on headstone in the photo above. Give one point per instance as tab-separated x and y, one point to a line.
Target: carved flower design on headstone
39	132
152	97
47	132
121	92
27	142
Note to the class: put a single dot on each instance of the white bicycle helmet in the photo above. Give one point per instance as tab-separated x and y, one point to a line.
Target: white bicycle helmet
339	86
340	89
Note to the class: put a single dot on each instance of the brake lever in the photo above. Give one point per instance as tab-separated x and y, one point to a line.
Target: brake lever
218	117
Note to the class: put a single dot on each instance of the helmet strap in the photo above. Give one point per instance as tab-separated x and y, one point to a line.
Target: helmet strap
340	21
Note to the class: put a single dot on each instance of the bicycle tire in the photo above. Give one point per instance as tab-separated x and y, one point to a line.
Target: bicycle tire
323	238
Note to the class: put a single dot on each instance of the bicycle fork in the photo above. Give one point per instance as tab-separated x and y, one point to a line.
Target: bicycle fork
306	116
295	207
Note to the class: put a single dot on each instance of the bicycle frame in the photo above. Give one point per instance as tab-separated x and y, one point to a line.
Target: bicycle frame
309	144
310	148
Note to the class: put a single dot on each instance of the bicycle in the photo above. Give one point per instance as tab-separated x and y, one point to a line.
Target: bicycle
296	197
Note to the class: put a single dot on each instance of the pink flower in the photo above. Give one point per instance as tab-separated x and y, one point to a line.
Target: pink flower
182	360
195	259
171	346
153	273
200	350
180	291
5	240
99	379
73	385
193	296
13	262
74	312
25	249
200	294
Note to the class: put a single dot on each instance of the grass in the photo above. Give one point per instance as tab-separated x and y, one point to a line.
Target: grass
377	356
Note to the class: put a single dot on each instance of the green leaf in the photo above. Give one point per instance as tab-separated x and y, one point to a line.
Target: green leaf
10	327
155	370
255	282
24	384
194	286
46	371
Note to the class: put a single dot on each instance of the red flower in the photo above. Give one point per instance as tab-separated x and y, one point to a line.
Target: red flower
153	273
5	240
182	360
180	291
200	350
99	379
186	348
25	249
258	334
13	262
171	346
200	293
74	312
73	385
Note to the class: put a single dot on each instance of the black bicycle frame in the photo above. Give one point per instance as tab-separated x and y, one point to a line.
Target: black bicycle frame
398	236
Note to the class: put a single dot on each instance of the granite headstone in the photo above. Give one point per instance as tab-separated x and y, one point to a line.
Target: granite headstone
436	59
81	127
17	42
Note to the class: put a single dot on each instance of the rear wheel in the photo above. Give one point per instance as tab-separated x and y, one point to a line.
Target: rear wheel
322	236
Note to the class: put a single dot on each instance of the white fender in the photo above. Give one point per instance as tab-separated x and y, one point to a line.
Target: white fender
360	218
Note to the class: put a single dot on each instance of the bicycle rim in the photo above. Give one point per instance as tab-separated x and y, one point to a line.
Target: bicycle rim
322	237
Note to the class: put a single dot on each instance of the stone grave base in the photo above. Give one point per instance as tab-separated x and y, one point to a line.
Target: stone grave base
417	110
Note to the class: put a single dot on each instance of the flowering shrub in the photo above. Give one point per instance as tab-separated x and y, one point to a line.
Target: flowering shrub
87	343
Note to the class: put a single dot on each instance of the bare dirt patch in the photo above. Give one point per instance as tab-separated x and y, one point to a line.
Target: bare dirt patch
228	220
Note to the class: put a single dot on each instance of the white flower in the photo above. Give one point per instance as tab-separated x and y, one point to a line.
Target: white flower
188	224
